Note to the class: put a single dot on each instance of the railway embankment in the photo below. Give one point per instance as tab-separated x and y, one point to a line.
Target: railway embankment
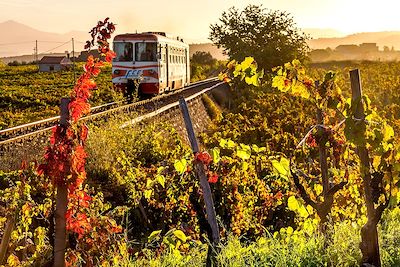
32	148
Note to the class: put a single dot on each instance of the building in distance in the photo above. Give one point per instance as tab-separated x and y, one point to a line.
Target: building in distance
54	63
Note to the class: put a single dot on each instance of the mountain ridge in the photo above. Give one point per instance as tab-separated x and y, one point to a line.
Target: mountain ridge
19	39
383	38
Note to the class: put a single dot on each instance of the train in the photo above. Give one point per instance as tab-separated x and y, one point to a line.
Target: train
149	63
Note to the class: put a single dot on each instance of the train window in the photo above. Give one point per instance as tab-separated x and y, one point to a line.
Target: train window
146	51
163	52
124	52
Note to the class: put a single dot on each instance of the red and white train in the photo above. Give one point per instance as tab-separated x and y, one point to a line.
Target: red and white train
158	62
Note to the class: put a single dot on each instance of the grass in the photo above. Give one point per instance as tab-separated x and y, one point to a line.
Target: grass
212	109
298	249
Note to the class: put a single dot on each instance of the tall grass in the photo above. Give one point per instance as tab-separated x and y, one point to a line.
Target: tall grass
296	249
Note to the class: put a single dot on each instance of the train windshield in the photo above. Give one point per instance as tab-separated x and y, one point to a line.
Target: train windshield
146	51
124	52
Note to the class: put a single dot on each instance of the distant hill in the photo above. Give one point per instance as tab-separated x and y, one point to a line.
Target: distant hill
19	39
322	33
389	38
207	47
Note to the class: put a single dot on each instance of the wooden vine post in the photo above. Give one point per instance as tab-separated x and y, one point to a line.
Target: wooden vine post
6	237
327	204
61	201
369	235
201	174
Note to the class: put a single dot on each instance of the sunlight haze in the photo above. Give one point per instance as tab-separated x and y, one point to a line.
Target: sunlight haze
191	19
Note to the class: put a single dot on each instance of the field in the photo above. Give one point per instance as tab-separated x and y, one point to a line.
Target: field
28	95
142	179
380	81
299	165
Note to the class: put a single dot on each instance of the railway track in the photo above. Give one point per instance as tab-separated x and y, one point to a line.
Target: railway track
27	132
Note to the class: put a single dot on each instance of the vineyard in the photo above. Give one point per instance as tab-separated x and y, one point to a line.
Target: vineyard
303	165
28	95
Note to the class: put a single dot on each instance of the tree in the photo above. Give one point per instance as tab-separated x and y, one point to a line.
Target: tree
201	57
320	55
386	48
270	37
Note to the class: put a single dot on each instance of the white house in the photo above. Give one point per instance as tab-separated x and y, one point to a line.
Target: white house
49	63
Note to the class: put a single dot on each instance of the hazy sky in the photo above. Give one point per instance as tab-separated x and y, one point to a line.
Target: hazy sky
191	19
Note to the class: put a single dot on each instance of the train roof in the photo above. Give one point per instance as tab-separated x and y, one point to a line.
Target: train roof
155	36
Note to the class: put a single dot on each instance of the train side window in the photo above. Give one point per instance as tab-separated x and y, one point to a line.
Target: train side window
124	52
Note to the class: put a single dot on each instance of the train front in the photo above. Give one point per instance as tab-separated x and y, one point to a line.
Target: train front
136	65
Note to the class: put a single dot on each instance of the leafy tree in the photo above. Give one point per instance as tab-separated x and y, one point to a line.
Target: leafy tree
203	66
270	37
201	57
386	49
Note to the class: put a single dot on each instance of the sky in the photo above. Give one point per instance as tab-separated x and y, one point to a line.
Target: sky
191	19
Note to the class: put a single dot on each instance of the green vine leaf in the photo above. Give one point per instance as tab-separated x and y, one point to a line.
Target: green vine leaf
153	235
181	235
293	204
180	166
243	152
215	153
161	180
281	167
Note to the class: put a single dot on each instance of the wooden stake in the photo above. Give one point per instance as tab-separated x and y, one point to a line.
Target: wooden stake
60	234
369	235
6	238
201	174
